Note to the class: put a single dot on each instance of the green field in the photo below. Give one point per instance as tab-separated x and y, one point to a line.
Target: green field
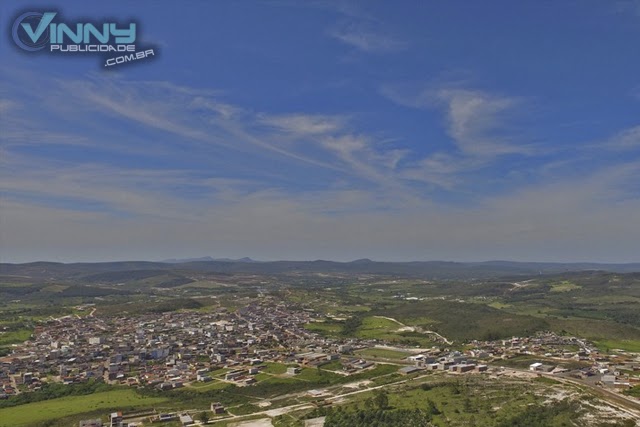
325	328
377	328
274	368
25	415
564	286
15	337
627	345
384	353
211	385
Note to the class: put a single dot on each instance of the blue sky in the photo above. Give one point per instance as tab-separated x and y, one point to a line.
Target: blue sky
337	130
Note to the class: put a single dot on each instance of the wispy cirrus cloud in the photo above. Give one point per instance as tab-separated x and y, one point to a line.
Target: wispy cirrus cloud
480	126
183	111
340	222
626	139
476	120
349	183
304	124
365	39
201	120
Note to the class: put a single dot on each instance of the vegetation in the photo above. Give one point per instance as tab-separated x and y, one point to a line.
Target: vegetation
633	391
15	337
561	413
383	353
379	418
56	390
462	321
594	305
351	326
32	413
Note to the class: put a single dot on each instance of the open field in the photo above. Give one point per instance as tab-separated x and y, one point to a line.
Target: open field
325	328
14	337
564	286
384	353
627	345
31	413
377	328
211	385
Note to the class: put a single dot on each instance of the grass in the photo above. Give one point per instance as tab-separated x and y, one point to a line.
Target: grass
31	413
384	353
457	401
211	385
634	391
596	330
546	380
325	328
274	368
335	365
564	286
54	288
458	321
628	345
318	376
15	337
377	328
499	305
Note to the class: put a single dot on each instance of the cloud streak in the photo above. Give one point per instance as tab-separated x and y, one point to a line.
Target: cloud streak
351	192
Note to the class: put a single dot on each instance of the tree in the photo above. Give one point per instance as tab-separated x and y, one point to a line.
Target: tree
432	408
382	400
467	405
203	417
368	404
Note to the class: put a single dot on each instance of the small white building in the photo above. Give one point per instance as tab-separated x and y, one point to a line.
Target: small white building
185	419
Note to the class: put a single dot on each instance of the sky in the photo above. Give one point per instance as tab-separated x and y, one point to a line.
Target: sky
400	131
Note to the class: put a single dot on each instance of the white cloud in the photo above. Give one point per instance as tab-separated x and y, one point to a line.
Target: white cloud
478	123
476	120
304	124
223	109
170	108
367	40
625	139
441	170
575	219
130	212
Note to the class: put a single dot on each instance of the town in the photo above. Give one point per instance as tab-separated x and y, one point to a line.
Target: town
183	349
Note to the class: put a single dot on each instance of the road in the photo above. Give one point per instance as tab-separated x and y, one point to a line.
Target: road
416	328
286	409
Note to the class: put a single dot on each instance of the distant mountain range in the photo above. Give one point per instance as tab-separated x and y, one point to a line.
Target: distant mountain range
207	258
422	269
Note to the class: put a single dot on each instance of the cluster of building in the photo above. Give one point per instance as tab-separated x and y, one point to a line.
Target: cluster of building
166	350
566	356
173	349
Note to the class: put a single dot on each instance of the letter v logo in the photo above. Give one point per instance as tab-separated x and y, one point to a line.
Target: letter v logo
30	43
44	23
